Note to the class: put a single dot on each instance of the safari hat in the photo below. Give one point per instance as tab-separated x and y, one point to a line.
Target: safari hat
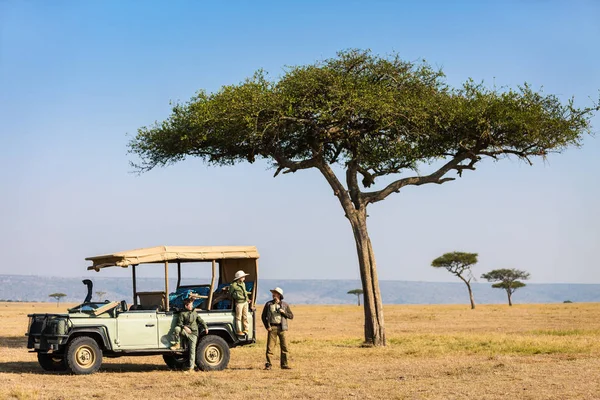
278	290
240	274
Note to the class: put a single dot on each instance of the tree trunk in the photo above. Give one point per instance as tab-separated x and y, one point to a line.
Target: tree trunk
373	307
509	298
471	296
467	282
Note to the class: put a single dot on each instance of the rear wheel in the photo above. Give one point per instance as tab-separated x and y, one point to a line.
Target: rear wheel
83	356
176	361
212	353
50	362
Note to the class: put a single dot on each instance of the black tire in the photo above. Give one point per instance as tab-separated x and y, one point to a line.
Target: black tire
50	362
212	353
83	356
176	361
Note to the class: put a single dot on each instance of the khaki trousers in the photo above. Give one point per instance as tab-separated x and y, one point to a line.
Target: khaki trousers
275	333
241	317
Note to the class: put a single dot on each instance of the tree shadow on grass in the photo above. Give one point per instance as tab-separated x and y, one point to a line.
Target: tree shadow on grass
13	342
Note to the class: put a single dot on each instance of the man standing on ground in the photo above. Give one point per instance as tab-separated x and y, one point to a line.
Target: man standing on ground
274	317
187	325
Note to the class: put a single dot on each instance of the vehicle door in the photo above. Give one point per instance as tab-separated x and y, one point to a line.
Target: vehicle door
166	322
137	330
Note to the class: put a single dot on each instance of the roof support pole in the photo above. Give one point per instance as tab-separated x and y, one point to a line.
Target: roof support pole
255	286
166	286
178	273
212	284
134	285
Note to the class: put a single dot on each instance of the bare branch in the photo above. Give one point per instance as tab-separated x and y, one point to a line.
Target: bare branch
436	177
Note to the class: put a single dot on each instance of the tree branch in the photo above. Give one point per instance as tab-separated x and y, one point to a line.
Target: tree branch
436	177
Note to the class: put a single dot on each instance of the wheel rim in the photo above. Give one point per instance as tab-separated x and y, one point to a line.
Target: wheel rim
85	357
213	354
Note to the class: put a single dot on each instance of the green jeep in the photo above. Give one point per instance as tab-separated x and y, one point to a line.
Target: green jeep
78	341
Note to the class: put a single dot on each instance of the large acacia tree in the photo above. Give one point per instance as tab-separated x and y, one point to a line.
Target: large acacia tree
370	117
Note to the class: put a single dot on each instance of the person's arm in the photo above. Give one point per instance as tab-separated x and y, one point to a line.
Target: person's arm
180	320
286	311
200	321
264	317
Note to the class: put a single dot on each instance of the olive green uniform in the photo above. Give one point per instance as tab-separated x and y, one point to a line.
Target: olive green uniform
191	319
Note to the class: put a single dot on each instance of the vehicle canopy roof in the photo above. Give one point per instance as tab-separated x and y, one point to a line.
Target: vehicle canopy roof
161	254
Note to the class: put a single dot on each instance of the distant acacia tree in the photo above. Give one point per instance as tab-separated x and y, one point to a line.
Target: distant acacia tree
100	295
459	264
357	292
57	297
359	119
508	279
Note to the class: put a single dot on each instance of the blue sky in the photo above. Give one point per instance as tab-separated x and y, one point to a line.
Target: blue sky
77	77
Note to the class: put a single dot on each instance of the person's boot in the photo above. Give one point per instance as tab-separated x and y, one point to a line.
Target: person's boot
267	366
176	346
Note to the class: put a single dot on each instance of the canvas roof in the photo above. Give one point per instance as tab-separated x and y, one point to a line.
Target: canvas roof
160	254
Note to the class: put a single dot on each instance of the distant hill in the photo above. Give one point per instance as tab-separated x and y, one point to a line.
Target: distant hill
36	288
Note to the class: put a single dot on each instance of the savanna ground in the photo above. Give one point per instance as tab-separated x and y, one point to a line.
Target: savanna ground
547	351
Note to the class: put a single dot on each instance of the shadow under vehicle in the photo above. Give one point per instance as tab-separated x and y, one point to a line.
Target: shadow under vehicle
78	341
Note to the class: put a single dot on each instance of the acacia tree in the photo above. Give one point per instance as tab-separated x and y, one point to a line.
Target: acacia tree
57	297
508	279
459	264
371	117
356	292
100	295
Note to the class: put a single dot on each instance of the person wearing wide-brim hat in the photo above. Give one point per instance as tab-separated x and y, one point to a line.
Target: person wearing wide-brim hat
241	298
274	317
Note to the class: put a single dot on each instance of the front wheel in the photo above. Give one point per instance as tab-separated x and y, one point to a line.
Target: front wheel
83	356
49	362
212	353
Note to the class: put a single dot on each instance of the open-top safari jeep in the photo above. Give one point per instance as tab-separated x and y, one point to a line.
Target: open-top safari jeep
78	341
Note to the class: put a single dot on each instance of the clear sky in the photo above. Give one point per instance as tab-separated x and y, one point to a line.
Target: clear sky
77	77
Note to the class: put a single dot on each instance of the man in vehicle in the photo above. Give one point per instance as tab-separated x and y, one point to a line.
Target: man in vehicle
240	297
274	317
187	325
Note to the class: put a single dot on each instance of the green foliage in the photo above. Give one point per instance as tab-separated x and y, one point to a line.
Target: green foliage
377	115
456	262
508	279
357	292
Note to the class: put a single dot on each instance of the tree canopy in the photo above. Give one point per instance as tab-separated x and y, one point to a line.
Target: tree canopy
372	116
508	279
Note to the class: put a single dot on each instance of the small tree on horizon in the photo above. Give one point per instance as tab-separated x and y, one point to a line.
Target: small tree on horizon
459	264
356	292
57	297
100	295
508	279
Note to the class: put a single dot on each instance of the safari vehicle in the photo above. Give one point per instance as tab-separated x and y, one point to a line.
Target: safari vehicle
78	341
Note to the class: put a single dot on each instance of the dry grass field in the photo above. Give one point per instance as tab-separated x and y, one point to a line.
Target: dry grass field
548	351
